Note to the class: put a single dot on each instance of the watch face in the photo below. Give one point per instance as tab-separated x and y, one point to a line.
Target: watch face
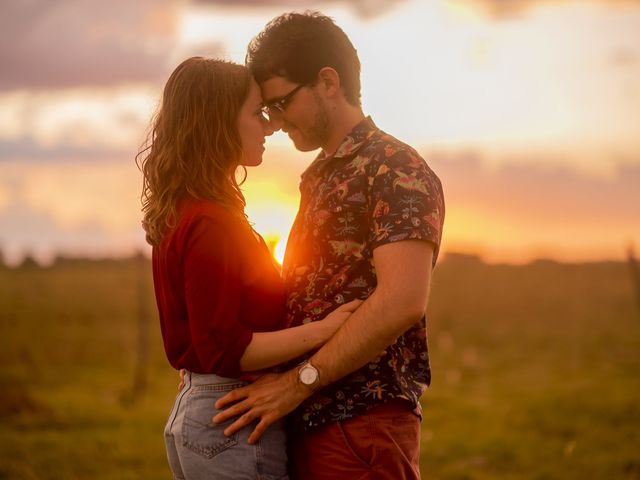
308	375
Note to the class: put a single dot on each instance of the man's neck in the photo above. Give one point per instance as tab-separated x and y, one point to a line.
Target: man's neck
342	123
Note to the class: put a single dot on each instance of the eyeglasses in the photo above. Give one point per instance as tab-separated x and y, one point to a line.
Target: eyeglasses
277	106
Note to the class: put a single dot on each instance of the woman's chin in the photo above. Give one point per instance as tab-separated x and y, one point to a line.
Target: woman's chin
251	162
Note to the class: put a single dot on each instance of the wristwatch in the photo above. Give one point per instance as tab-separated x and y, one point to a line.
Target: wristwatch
308	375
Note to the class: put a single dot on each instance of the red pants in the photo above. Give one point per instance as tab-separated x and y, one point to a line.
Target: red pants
383	443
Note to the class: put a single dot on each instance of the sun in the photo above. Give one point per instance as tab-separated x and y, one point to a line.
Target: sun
278	251
276	244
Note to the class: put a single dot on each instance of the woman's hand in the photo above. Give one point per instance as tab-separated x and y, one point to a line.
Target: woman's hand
181	383
332	322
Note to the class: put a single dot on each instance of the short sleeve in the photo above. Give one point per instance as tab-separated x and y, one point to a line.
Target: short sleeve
212	272
406	200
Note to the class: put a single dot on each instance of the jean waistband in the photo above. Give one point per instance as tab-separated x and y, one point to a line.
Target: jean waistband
196	379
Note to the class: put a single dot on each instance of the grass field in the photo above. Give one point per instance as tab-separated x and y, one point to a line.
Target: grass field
536	373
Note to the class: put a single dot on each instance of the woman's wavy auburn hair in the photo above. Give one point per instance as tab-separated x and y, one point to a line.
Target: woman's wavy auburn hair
193	146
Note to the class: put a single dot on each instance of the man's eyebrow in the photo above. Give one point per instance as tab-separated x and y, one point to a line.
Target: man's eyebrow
272	100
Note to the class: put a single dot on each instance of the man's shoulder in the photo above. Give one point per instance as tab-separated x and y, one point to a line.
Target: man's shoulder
380	138
383	149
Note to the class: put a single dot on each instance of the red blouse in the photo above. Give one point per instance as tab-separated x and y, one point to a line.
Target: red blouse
215	284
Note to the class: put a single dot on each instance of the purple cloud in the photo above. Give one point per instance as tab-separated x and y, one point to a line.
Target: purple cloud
64	44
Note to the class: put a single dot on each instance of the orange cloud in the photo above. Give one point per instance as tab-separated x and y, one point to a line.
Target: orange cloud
521	211
512	8
505	213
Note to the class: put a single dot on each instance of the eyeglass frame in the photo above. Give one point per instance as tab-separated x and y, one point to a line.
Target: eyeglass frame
280	104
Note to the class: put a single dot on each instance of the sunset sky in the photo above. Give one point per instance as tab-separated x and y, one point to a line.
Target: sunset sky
529	111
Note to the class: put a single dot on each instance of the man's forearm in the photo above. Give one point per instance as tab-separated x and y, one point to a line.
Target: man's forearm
373	327
399	300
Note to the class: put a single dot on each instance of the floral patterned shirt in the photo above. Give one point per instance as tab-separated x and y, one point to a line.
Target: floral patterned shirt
374	190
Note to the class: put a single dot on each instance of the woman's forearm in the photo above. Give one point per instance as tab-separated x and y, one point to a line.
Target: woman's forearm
268	349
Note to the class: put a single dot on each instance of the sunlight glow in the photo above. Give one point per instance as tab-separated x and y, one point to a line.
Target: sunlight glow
272	212
554	85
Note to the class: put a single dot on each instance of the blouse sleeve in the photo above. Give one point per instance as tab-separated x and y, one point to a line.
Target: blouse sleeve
213	291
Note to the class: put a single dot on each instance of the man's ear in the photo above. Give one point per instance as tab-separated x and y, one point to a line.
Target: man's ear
329	81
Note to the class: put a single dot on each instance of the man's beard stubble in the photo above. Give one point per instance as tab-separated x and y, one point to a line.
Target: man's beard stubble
320	132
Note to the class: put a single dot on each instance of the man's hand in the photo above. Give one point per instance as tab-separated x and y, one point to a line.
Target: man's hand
268	399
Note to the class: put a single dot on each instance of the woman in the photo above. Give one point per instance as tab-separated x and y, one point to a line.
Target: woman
219	294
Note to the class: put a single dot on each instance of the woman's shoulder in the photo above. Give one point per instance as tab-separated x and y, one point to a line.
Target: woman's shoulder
201	218
208	216
202	206
198	209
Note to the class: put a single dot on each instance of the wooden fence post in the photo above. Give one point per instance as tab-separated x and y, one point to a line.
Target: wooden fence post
635	274
141	360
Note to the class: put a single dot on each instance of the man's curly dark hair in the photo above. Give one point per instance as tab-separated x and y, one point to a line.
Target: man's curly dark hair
297	46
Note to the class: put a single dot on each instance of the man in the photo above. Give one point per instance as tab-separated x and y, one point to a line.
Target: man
369	227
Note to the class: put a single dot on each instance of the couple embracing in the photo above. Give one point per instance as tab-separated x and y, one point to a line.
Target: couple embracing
335	343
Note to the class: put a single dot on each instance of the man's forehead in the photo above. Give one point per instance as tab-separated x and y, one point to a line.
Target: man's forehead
275	87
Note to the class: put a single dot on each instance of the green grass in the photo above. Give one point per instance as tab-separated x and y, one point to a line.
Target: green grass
68	355
535	373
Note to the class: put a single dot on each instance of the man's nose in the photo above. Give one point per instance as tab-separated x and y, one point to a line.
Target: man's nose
267	128
275	123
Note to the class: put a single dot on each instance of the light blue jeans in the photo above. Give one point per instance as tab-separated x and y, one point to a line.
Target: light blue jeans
198	449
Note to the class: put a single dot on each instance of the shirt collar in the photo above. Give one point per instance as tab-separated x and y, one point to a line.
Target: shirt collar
354	139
